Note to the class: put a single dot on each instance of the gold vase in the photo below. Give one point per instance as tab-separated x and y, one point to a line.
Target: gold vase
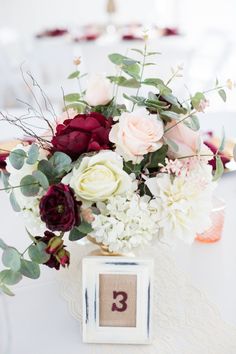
103	250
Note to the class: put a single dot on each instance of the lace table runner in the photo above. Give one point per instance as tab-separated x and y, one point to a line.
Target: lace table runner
184	320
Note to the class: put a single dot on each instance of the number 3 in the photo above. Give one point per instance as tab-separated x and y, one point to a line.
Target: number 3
122	302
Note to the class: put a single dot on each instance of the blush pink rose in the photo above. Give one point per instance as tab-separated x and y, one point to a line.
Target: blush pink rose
136	134
189	142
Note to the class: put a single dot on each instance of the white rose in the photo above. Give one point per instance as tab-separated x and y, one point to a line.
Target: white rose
136	134
99	91
98	177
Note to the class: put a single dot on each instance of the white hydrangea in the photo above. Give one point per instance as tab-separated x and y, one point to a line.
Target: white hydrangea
125	222
183	202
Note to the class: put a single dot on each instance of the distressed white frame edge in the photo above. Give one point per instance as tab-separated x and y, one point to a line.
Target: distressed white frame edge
95	265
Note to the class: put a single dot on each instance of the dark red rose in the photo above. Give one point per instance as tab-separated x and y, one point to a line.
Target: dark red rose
3	161
214	149
59	209
59	256
83	133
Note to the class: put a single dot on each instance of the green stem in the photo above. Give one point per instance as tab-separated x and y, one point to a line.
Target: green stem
23	185
23	253
205	92
180	121
142	71
172	77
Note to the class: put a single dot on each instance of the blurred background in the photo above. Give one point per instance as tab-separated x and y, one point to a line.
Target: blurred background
44	37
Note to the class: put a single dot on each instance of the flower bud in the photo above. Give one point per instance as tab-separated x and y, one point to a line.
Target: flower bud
77	61
63	257
54	245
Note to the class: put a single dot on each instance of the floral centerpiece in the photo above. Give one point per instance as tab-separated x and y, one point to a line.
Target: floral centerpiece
126	174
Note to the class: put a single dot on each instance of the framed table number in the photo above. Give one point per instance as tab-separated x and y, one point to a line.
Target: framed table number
117	294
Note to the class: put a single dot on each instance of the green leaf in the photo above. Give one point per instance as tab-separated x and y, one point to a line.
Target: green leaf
196	99
149	64
132	70
138	51
17	158
33	154
47	168
60	162
38	254
14	203
3	245
192	122
41	178
122	81
129	167
11	258
222	143
5	179
219	168
75	235
74	75
76	106
30	269
29	186
217	82
6	290
153	53
119	59
172	144
170	114
85	227
153	82
222	94
9	277
153	159
72	97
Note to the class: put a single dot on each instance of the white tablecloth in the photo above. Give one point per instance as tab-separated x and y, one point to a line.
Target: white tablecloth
39	317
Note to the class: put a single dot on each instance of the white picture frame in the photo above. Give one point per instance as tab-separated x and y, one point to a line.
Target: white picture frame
116	316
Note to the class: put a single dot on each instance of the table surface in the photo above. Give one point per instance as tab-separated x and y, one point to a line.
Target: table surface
38	311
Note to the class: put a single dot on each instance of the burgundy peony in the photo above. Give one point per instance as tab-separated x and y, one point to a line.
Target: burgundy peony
83	133
59	209
60	256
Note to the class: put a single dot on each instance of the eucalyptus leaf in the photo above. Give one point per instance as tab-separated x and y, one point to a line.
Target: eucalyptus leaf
60	161
170	114
11	258
41	178
132	70
38	254
30	269
192	122
222	143
3	245
222	94
15	206
5	179
122	81
8	277
29	186
196	99
33	154
85	227
6	290
47	169
138	51
172	144
75	235
119	59
76	106
219	168
17	158
72	97
74	75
